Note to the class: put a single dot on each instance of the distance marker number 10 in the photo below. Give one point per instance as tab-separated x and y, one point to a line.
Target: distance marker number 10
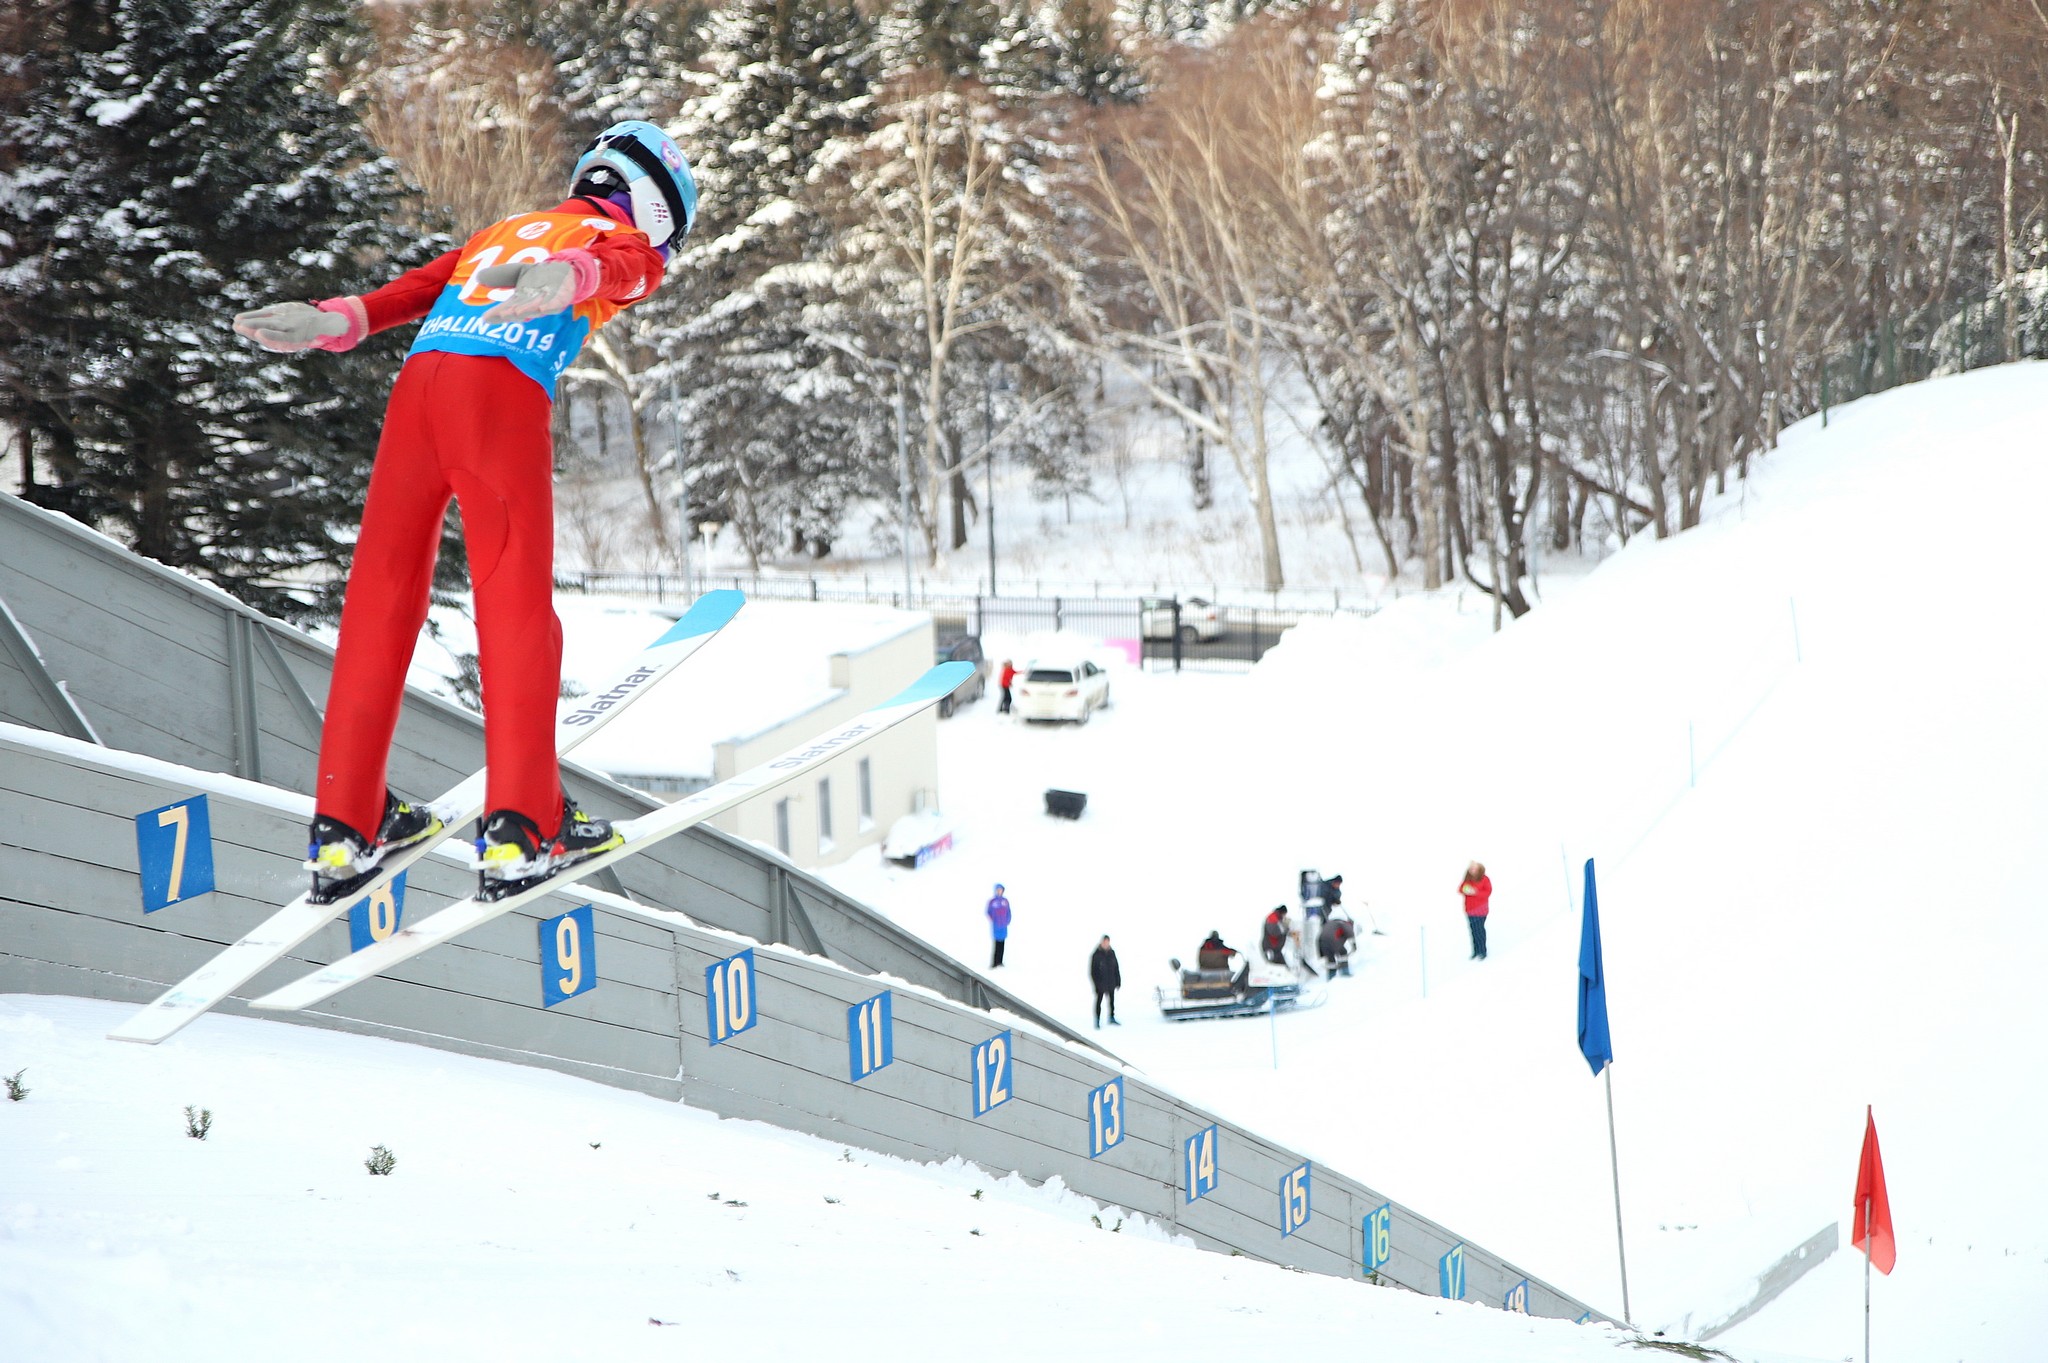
729	996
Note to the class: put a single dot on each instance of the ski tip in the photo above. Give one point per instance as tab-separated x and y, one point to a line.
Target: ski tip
708	614
936	684
140	1040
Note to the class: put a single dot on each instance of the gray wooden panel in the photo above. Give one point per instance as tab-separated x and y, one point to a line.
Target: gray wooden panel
150	658
19	975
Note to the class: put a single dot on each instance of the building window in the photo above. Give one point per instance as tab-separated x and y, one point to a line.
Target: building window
865	779
824	815
782	826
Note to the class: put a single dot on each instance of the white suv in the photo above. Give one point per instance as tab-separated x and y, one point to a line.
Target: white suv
1060	690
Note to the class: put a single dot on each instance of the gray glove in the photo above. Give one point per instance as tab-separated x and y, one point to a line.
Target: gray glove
537	290
290	326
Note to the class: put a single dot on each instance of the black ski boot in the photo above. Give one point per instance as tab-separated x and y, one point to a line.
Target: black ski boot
512	855
342	859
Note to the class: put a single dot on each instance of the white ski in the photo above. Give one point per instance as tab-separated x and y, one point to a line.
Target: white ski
640	834
303	917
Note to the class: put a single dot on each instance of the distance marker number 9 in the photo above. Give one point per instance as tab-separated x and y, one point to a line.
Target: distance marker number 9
568	956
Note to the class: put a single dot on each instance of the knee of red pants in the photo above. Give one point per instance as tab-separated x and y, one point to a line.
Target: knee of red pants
520	657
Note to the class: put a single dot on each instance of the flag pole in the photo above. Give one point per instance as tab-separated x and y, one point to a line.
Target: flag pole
1866	1279
1621	1252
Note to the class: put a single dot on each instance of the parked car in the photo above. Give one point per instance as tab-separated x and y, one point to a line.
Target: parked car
965	649
1060	690
1199	619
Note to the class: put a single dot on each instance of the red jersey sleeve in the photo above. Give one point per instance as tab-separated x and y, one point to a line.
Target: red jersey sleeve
410	296
628	269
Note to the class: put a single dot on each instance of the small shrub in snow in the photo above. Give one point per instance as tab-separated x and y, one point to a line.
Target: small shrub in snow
16	1090
381	1160
198	1121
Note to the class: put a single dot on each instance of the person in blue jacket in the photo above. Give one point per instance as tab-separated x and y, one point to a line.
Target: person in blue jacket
998	923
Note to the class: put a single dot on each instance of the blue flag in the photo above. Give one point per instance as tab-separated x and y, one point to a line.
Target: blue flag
1593	1041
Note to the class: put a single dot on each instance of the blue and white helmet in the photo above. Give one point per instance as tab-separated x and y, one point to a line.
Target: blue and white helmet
643	162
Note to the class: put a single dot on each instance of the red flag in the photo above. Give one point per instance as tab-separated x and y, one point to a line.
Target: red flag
1873	1235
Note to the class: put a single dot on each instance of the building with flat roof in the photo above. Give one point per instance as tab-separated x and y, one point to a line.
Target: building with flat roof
781	672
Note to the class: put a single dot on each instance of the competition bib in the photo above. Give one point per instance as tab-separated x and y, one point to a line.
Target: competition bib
541	347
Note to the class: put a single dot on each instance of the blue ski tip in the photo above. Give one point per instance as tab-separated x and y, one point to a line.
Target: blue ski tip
941	681
708	614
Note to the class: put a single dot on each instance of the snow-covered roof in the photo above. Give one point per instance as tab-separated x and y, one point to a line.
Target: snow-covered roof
771	664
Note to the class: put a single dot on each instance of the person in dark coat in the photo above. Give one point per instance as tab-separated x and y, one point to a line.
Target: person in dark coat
1273	937
998	923
1333	894
1214	953
1108	978
1333	943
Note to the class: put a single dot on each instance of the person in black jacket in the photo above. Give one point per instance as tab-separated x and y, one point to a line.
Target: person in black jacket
1108	978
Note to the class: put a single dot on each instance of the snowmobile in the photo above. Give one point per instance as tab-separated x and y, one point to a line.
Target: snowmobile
1251	989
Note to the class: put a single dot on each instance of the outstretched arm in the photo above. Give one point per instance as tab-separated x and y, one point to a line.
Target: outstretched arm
620	269
339	323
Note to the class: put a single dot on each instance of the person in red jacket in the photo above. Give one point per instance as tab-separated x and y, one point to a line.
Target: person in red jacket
1477	889
1273	935
1006	674
469	419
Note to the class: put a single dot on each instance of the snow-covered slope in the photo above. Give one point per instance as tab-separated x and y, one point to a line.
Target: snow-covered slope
1815	840
535	1217
1806	743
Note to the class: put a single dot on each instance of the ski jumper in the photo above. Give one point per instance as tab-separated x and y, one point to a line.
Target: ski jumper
469	419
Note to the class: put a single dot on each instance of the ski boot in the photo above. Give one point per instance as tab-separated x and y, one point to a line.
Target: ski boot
343	860
512	855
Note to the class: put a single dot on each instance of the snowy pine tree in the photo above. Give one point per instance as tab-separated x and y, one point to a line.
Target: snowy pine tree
179	161
613	59
776	434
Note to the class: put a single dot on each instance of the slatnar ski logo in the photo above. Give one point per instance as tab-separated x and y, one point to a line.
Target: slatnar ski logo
821	749
633	681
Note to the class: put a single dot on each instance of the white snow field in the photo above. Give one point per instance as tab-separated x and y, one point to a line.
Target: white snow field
1807	744
1824	899
533	1216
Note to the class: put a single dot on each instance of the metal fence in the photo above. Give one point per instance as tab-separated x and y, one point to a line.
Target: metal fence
1974	332
1152	630
886	587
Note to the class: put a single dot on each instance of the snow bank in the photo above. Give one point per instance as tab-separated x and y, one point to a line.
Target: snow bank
531	1216
1804	742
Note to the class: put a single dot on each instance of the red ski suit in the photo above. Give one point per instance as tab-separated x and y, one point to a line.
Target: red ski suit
473	427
